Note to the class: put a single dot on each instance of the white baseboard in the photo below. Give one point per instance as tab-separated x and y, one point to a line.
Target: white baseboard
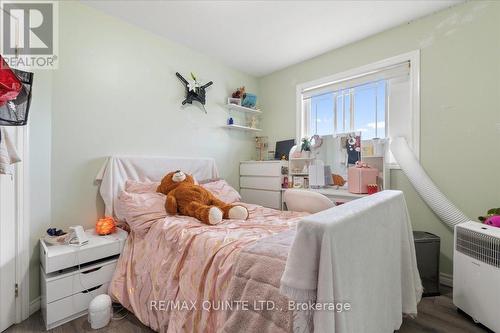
34	305
446	279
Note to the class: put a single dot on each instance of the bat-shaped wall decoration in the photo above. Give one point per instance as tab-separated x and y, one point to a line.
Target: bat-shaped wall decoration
194	92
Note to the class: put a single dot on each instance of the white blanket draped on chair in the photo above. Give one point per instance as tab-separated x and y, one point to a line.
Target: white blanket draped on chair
361	253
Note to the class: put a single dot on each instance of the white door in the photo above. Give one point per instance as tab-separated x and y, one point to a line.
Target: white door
7	249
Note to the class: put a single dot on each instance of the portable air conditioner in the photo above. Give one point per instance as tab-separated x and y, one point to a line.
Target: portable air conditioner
476	272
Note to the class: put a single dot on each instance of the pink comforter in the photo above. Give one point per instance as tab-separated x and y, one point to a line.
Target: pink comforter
173	273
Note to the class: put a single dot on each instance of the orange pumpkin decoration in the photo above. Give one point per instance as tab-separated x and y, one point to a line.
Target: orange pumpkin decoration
105	226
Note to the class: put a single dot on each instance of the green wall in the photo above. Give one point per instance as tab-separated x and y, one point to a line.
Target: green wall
115	93
460	105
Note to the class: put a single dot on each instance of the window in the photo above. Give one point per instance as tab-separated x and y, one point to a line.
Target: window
361	109
380	100
369	110
321	115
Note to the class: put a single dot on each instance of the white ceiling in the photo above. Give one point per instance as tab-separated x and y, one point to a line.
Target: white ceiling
259	37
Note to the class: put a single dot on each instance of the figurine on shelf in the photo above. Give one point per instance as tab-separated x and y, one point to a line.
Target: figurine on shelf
239	93
253	122
261	144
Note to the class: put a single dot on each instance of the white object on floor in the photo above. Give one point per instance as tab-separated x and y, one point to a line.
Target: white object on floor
306	201
71	276
118	169
476	272
428	191
362	253
100	311
8	153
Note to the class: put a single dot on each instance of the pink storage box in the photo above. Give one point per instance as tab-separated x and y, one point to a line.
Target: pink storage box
358	179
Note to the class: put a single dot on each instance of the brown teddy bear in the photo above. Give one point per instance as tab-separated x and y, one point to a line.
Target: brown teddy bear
186	198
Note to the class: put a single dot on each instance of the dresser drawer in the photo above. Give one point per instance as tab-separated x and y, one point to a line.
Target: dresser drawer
71	307
261	183
73	281
260	169
271	199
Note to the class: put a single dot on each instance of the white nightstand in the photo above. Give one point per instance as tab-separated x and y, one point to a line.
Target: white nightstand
71	276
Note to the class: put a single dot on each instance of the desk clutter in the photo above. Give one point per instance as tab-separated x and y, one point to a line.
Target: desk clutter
360	176
335	161
344	166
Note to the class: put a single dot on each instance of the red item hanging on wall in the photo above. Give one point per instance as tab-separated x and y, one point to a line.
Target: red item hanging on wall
10	86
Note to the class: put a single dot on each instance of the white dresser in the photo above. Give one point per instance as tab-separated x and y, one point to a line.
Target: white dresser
260	182
71	276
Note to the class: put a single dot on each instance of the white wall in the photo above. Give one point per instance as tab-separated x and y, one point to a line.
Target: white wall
116	92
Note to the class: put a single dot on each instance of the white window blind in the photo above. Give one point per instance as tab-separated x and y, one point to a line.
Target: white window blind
399	70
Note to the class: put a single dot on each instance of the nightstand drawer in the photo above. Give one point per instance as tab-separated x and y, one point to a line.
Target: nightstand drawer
59	285
71	307
261	183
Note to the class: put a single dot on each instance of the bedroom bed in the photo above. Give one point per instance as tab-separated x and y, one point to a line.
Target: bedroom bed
263	274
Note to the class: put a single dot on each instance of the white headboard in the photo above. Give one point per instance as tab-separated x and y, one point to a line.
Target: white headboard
118	169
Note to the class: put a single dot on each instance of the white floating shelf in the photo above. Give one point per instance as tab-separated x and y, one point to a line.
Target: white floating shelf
243	128
242	108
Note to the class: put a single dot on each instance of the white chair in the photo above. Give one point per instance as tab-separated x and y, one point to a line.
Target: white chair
306	201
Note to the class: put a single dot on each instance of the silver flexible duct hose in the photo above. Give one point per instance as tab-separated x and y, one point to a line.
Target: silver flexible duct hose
428	191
